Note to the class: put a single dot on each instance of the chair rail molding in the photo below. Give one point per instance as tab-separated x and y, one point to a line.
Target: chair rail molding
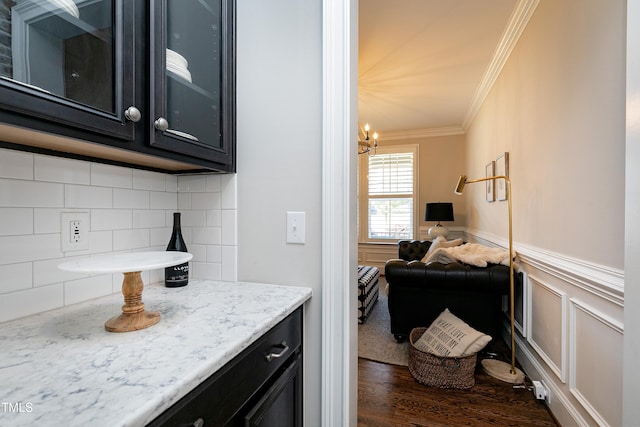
605	282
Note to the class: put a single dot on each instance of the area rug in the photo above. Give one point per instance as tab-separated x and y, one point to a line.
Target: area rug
375	340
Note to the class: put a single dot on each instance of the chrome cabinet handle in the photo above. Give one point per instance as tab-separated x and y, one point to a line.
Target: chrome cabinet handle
133	114
272	356
161	124
198	423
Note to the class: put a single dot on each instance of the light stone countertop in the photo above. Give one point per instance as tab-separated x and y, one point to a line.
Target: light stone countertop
61	368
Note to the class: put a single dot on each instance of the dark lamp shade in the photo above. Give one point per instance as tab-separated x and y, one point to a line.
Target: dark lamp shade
439	212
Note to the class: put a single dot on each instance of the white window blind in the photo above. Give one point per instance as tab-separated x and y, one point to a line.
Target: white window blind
391	196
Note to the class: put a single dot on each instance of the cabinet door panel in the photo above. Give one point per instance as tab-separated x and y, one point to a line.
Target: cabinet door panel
193	104
69	63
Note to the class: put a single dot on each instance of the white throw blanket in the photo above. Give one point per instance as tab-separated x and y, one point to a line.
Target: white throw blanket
472	254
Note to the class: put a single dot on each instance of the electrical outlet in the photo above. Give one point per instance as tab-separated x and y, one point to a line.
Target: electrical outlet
541	391
74	231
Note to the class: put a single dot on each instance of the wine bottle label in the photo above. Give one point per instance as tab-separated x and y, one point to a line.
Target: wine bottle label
177	275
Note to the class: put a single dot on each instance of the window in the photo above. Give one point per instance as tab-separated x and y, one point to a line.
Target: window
388	190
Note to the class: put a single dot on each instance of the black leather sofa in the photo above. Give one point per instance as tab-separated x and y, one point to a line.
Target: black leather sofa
419	292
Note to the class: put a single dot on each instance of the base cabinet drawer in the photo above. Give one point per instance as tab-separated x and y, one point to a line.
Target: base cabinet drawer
262	386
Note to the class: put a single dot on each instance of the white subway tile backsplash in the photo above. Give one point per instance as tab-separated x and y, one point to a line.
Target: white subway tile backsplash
16	221
85	196
205	200
214	253
192	218
206	235
34	194
228	187
160	200
228	229
199	252
111	219
100	241
160	237
88	288
15	277
214	218
30	301
184	201
46	220
16	164
130	239
130	210
32	247
132	199
171	182
148	218
58	169
203	270
229	263
213	183
192	183
47	272
145	180
111	176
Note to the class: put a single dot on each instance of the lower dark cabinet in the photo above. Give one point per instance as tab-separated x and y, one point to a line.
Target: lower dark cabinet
262	386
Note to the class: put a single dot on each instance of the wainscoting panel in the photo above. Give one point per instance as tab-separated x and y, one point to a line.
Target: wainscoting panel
376	254
572	315
548	316
596	365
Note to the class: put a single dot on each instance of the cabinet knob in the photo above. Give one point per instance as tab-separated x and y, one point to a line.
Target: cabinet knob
133	114
161	124
198	423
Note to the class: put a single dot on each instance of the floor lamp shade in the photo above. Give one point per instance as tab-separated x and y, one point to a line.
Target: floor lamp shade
438	212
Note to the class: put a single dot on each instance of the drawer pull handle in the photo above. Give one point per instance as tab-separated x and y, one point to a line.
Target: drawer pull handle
272	356
199	423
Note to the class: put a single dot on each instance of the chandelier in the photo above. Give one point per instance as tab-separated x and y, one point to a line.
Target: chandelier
365	145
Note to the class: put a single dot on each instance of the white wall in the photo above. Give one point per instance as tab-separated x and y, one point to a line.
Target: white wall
631	383
558	108
279	107
129	210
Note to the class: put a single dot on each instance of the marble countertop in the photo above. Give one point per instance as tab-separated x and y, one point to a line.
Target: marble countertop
62	368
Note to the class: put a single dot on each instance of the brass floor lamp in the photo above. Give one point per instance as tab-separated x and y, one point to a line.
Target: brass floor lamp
497	368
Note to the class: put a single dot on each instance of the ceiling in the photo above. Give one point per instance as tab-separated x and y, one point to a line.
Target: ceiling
423	64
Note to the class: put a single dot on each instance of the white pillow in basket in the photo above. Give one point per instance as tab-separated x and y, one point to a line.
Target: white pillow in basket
448	336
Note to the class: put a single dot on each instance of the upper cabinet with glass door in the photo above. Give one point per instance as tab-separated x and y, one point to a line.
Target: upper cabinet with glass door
192	106
63	61
152	76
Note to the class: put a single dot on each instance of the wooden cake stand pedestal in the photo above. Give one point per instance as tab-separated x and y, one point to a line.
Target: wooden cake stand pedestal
134	316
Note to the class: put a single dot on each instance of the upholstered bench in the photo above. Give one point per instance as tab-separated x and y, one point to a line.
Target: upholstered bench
367	290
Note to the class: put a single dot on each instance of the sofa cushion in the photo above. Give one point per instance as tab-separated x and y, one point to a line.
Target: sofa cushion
449	336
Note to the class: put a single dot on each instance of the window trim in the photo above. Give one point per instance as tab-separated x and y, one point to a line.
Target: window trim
363	190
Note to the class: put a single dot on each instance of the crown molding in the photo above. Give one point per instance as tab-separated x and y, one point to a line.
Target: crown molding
420	133
517	23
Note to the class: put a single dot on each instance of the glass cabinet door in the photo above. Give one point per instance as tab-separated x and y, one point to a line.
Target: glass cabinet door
63	55
191	104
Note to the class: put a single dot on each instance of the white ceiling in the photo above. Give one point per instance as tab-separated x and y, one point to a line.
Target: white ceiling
423	64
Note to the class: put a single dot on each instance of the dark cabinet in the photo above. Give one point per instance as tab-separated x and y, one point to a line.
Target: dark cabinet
260	387
154	77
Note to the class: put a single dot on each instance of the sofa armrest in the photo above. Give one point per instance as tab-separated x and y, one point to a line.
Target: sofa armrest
410	250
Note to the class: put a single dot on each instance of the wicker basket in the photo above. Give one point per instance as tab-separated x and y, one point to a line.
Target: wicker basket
438	371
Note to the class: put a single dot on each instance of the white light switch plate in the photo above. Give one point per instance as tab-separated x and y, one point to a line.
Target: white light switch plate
295	227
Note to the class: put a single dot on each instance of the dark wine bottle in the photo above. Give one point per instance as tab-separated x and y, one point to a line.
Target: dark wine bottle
177	275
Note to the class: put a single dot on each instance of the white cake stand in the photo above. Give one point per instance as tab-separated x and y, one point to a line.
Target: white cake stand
134	316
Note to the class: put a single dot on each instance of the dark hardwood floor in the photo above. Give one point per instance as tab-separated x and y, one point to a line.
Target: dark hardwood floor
389	396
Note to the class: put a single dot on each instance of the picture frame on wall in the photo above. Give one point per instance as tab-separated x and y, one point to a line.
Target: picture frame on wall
502	169
489	171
